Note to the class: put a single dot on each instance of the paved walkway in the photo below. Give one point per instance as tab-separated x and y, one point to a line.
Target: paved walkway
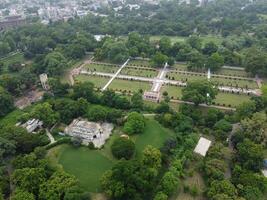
157	83
115	75
50	136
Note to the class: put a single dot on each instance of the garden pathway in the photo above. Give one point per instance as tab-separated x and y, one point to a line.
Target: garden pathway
50	136
115	75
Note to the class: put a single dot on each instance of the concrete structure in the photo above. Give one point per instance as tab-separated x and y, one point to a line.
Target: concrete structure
203	146
32	124
44	81
89	131
152	96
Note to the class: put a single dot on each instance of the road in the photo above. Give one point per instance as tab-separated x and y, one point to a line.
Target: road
115	75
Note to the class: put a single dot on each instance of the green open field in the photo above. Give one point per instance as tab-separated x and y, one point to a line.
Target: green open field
98	81
231	99
139	72
127	85
89	165
173	91
102	68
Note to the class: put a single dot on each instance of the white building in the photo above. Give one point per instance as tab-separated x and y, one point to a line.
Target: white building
203	146
32	124
89	131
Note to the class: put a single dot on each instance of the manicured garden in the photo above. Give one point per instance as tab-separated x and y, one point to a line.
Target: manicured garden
230	82
174	92
89	165
102	68
98	81
231	99
129	86
139	72
141	63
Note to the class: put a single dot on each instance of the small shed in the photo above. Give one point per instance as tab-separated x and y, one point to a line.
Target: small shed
203	146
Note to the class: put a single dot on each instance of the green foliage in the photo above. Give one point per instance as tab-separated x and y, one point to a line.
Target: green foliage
57	185
123	148
215	62
29	179
169	183
55	63
135	123
22	195
197	91
6	102
45	113
84	90
224	187
137	101
160	196
159	59
250	155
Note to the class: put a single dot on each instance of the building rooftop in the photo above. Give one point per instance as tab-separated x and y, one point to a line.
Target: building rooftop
203	146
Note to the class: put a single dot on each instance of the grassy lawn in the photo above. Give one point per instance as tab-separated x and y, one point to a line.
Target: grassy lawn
96	80
102	68
173	91
87	165
154	135
139	72
231	99
126	85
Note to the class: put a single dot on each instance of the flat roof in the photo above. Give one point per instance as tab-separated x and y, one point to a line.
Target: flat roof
264	172
203	146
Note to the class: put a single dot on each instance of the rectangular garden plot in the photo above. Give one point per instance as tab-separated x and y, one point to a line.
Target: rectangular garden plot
129	86
131	71
98	81
102	68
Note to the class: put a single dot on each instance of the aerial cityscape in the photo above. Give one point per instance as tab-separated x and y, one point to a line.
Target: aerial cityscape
133	100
